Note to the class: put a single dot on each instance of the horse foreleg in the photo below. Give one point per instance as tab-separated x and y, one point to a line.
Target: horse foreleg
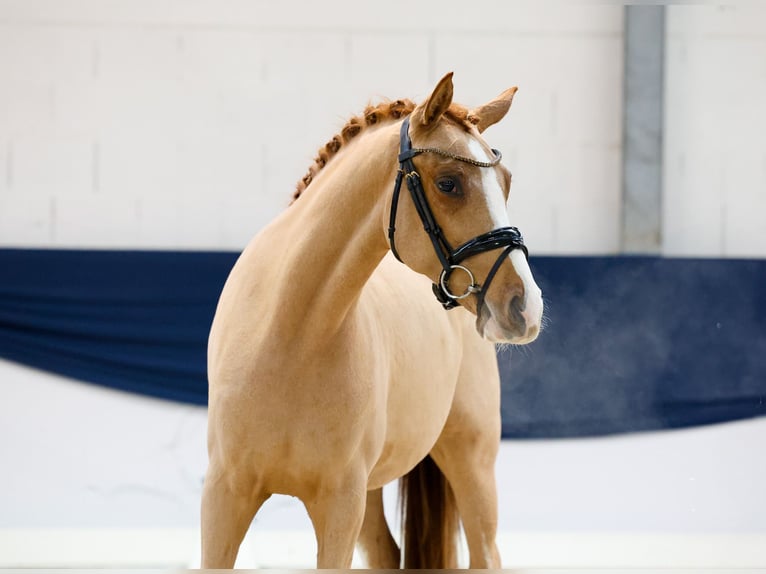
375	540
227	511
470	470
337	513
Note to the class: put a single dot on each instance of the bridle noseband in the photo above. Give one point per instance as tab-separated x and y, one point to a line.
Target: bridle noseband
508	238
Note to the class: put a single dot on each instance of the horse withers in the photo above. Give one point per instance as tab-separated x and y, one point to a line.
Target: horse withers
333	370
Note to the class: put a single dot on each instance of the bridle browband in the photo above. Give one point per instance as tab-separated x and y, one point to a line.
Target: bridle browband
508	238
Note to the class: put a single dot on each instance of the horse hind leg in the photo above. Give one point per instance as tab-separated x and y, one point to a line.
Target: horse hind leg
228	508
375	540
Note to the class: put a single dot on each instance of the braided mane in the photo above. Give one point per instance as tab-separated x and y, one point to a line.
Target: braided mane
372	115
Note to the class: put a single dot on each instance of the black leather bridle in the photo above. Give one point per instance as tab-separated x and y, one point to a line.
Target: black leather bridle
508	238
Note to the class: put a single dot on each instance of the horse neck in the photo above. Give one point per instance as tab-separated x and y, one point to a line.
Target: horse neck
334	235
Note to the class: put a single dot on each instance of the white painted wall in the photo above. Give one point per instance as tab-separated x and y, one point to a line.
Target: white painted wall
715	131
135	123
185	125
132	123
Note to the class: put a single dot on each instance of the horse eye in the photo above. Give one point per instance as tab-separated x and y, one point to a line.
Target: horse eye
446	185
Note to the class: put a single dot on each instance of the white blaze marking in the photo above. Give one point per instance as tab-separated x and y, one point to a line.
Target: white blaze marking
492	190
498	211
533	309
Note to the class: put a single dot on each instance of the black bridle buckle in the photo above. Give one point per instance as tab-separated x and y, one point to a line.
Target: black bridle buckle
442	297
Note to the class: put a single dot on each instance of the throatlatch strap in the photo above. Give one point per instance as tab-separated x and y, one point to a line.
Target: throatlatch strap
392	215
415	186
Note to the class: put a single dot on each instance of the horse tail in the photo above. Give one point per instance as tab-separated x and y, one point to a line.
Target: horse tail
430	522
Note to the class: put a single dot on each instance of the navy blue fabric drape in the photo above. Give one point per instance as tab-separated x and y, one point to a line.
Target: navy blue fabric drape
135	321
631	344
639	343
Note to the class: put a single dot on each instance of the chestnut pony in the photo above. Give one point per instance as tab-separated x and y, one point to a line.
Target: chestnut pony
333	370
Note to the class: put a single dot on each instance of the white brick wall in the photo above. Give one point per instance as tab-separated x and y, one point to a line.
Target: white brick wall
562	137
186	124
715	137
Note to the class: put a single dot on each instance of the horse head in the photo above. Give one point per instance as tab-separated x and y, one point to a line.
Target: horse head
459	190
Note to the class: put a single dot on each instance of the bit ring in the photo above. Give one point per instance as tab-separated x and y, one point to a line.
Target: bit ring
472	287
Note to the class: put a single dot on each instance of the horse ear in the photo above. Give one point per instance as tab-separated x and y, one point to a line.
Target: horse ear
438	101
492	112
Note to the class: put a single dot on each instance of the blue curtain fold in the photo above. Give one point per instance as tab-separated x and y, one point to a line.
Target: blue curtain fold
637	344
631	343
129	320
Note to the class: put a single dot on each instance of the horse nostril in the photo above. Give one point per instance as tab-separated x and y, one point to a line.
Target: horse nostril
516	309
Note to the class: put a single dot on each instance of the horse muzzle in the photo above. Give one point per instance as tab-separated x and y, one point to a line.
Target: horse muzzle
514	314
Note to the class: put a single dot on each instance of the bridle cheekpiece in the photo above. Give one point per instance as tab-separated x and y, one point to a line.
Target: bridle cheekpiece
508	238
